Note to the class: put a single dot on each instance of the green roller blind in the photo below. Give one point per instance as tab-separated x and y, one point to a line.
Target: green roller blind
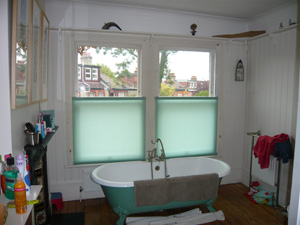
187	126
108	129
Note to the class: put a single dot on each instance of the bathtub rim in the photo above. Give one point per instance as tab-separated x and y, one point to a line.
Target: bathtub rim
108	183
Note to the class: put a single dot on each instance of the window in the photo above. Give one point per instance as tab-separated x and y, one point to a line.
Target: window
116	129
130	66
79	73
109	70
87	73
187	126
181	70
95	74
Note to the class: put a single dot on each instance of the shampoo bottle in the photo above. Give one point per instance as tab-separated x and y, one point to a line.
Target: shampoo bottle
20	196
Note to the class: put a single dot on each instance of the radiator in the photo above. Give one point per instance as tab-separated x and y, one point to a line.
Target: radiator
268	175
88	184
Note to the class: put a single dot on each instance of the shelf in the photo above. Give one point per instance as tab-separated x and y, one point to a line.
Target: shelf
36	152
37	157
44	142
17	219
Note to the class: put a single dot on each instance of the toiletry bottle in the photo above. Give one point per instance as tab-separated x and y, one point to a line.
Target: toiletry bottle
20	196
4	165
20	164
10	178
26	177
2	168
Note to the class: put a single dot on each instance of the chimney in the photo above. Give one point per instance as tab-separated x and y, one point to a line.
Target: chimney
172	77
194	78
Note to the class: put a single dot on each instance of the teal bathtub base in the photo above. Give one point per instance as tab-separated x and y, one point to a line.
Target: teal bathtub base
122	202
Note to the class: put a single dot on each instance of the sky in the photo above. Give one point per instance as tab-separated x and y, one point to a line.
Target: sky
184	64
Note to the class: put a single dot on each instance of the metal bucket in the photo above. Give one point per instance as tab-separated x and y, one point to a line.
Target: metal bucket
32	137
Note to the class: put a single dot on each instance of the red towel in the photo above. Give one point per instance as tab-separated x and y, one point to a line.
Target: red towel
264	147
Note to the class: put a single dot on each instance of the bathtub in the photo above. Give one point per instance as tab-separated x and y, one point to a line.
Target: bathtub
116	180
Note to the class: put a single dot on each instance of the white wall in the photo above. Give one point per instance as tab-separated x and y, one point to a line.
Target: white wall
5	117
271	20
92	16
232	94
294	213
271	102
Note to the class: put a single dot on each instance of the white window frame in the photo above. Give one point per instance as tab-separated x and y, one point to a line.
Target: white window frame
212	56
85	73
148	65
79	73
95	71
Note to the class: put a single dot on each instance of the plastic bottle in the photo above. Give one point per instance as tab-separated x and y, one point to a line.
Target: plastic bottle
2	168
26	177
10	178
20	164
20	195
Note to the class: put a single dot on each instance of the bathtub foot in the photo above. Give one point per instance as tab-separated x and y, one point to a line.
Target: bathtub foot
122	215
209	205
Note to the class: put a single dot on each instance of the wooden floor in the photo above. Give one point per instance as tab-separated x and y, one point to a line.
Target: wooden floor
237	208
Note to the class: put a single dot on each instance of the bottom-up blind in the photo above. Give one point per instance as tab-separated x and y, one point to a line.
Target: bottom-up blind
108	129
187	125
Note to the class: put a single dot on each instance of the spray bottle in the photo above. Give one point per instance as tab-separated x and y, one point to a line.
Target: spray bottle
20	164
20	195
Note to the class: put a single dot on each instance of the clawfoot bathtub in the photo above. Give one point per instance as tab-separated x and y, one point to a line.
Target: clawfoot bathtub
117	182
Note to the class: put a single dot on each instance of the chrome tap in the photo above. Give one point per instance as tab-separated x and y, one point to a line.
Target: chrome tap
153	155
162	156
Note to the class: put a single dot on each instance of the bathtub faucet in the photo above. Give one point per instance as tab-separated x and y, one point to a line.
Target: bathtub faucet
162	157
153	155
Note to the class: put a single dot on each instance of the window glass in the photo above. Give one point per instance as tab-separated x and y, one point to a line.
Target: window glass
95	74
87	73
109	71
185	73
108	129
79	73
187	126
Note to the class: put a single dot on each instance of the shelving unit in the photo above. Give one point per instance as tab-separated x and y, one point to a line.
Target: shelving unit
37	156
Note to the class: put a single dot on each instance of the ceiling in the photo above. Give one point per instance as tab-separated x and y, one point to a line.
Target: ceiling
239	9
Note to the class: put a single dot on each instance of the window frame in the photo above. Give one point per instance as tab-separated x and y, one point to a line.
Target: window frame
97	74
149	46
85	73
212	67
79	73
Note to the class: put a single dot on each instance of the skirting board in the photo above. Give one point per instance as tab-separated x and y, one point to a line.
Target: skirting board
70	190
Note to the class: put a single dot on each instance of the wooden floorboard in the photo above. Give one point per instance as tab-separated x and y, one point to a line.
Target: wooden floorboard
237	208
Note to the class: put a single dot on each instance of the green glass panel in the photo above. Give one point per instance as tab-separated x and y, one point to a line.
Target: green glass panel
187	126
108	129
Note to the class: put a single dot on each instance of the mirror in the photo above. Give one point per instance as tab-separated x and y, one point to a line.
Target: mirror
44	57
36	53
20	52
30	47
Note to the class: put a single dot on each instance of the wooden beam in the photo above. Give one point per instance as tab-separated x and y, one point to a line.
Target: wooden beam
242	35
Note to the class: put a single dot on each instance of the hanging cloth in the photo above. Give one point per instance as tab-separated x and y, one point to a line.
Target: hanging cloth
265	146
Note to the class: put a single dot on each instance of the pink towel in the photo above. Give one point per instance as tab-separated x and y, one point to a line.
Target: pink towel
264	147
